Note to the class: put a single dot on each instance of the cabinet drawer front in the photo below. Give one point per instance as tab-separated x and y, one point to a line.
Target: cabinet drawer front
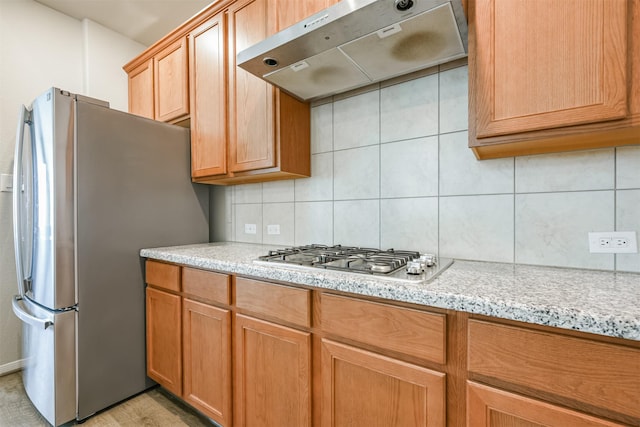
163	275
408	331
206	285
599	374
281	302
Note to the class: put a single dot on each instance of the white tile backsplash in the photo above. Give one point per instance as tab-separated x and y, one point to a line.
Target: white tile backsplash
319	186
409	110
454	98
551	228
628	219
356	173
574	171
282	215
277	191
477	227
248	214
314	223
628	167
391	168
356	121
462	174
409	223
357	223
247	193
322	128
409	168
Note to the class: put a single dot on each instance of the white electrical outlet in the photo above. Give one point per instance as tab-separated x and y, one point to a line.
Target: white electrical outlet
273	229
613	242
250	229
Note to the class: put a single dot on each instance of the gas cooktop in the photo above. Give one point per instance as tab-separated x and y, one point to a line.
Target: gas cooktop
408	266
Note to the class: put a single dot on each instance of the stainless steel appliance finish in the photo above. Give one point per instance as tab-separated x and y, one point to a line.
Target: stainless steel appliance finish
92	186
358	42
407	266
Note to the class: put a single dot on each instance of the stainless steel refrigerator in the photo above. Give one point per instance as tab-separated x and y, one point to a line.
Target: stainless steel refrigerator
92	186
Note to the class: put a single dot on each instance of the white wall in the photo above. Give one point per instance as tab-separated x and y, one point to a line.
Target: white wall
41	48
391	168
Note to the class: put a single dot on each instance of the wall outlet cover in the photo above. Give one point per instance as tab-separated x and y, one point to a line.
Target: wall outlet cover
613	242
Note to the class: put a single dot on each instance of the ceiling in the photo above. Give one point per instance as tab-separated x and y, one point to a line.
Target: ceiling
145	21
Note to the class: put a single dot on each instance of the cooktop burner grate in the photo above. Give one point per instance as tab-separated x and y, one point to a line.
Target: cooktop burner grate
389	263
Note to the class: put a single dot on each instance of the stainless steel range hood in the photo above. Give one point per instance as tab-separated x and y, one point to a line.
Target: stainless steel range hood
358	42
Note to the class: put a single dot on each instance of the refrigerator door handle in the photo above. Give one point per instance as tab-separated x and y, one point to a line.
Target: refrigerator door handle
24	119
22	314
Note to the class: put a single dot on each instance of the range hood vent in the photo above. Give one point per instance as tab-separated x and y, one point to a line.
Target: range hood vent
358	42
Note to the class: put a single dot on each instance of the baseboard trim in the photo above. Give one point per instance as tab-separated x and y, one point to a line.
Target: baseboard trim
10	367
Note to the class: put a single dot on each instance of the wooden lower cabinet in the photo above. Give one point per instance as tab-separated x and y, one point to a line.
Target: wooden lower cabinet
361	388
246	352
272	384
206	335
164	339
492	407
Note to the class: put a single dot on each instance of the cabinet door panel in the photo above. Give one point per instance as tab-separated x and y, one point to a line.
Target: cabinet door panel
207	359
490	407
171	84
293	11
164	342
251	100
361	388
549	63
273	374
141	90
207	47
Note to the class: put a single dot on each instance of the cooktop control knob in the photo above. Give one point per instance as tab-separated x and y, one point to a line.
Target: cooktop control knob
429	260
415	267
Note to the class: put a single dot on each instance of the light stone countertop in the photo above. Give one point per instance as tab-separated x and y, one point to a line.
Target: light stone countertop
600	302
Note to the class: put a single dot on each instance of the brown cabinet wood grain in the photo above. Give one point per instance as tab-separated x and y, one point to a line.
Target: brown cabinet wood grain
491	407
242	128
159	86
272	374
164	339
141	90
575	368
552	75
361	388
206	336
161	275
208	89
269	133
207	286
171	84
285	303
250	352
389	327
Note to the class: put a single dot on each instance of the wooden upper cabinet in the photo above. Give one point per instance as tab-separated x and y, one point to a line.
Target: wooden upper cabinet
171	84
207	75
252	136
141	90
552	75
293	11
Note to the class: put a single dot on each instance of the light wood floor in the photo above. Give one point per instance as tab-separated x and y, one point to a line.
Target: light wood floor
154	408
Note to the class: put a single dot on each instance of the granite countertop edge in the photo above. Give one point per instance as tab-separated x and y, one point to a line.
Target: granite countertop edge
600	302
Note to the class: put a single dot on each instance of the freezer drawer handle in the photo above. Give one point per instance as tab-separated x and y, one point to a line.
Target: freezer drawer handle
26	317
